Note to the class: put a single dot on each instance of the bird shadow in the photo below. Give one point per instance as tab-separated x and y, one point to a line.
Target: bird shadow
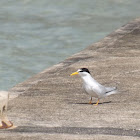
92	103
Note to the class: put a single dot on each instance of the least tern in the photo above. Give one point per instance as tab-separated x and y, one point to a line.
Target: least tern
92	87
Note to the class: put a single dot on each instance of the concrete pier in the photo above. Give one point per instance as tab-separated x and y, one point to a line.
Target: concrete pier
52	105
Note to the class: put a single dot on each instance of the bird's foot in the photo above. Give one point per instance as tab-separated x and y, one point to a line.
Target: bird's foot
6	124
90	102
97	103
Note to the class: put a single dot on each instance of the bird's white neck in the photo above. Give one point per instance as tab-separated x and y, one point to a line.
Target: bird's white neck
88	79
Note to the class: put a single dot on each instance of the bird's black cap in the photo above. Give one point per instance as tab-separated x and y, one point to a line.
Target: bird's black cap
84	70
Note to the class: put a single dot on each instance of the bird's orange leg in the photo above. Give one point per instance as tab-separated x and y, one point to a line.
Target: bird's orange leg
97	102
90	102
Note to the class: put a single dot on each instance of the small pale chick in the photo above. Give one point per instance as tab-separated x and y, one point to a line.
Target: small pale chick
4	123
92	87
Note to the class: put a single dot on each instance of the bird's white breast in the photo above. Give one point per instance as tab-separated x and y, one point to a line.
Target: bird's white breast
91	86
89	89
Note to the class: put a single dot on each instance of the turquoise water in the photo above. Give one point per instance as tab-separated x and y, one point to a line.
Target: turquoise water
37	34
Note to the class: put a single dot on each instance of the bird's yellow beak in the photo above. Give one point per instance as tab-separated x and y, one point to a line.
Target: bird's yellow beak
74	73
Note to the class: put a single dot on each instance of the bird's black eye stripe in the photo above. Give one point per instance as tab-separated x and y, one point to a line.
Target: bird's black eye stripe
80	71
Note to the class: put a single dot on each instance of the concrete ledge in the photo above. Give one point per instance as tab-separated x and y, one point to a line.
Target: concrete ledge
52	105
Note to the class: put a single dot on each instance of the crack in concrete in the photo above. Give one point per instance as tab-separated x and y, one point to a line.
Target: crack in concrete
76	130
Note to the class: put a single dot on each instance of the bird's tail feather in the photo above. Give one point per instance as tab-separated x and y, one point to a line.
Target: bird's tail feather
113	91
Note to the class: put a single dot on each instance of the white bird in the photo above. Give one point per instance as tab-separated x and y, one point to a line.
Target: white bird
4	123
92	87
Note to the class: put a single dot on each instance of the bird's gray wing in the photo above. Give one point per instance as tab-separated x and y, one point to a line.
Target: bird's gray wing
99	90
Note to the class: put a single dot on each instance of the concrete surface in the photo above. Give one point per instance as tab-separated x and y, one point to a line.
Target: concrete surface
52	105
